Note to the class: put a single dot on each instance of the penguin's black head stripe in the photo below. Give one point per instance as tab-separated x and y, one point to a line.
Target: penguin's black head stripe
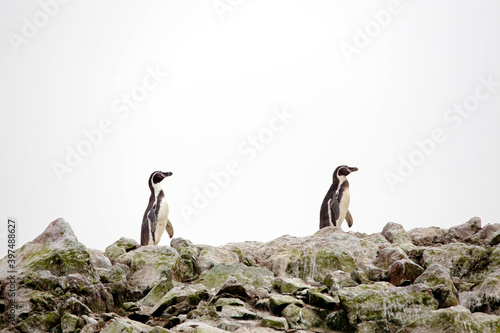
158	176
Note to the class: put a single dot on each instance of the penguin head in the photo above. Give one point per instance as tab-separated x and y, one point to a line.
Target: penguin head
343	170
156	178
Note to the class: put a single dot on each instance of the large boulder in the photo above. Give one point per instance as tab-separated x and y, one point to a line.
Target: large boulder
385	305
56	250
148	264
255	276
456	319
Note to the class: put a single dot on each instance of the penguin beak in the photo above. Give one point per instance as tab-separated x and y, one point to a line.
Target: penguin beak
352	169
166	174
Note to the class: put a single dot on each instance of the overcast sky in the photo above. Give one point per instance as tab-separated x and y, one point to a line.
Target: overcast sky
251	105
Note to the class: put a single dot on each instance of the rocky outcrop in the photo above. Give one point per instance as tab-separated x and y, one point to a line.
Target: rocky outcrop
423	280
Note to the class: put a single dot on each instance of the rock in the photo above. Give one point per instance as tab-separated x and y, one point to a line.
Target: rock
464	231
75	307
382	302
454	319
277	303
130	326
69	323
210	256
438	279
489	292
256	276
388	256
189	253
148	264
427	236
373	273
309	257
219	303
289	286
232	287
495	239
466	262
40	322
120	247
275	322
237	312
56	250
181	300
404	272
485	235
338	279
159	289
396	234
338	321
99	260
303	317
323	301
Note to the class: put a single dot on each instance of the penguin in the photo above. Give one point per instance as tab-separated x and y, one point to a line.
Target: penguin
335	206
155	219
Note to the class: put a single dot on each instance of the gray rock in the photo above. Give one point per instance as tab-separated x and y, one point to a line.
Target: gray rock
396	234
56	250
464	231
437	277
303	317
495	239
180	300
289	286
75	307
210	256
148	264
256	276
40	322
393	306
160	288
69	323
454	319
373	273
338	279
99	260
188	271
431	236
130	326
466	262
489	292
403	272
233	288
275	322
120	247
278	303
237	312
388	256
323	301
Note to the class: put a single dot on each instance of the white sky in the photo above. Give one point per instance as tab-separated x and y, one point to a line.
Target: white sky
228	73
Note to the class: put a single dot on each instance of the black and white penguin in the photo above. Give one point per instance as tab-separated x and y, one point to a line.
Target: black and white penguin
335	207
155	219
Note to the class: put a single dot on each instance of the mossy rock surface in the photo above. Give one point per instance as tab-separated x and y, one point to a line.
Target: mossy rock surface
455	319
382	301
466	262
255	276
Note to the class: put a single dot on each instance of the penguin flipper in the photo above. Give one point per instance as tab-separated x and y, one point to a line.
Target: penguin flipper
170	229
152	218
334	211
348	218
145	232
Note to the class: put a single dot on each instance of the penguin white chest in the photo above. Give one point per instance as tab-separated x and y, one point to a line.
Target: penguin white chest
161	220
343	205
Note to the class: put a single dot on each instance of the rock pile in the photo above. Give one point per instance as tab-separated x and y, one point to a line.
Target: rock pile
424	280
